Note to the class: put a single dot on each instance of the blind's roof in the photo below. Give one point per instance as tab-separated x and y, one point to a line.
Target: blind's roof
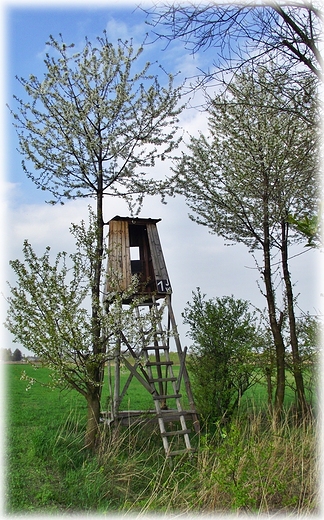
136	220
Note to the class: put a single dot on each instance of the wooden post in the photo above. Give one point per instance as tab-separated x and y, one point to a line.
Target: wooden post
116	400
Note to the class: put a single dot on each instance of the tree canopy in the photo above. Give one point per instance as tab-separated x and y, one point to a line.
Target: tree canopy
260	146
258	165
50	314
91	127
94	122
240	32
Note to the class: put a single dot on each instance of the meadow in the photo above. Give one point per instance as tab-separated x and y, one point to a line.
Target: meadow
248	467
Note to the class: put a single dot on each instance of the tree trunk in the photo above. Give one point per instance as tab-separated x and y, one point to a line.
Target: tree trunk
96	368
269	387
301	400
92	430
277	337
275	324
97	273
280	355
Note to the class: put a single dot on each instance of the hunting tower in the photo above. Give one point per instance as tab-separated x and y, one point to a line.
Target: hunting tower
134	249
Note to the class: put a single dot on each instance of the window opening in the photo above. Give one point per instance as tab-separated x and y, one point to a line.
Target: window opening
134	253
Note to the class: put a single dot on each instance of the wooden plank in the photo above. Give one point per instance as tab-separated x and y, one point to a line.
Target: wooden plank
155	347
159	266
166	414
126	261
156	251
158	363
113	263
181	452
118	264
176	432
162	379
163	397
138	376
146	416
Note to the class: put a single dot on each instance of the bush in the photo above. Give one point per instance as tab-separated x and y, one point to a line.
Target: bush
221	361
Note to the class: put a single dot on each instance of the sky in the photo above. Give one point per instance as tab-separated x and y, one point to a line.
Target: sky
194	257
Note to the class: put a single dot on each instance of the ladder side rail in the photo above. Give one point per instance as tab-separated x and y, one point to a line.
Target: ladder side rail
162	428
185	372
181	353
159	367
176	388
183	423
165	342
184	432
174	325
175	384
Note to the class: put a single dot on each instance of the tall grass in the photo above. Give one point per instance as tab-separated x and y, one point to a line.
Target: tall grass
258	469
246	466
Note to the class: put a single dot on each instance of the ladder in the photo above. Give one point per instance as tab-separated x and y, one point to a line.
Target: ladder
172	423
154	369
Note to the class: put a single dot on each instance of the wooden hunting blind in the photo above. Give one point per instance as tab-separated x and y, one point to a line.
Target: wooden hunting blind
134	248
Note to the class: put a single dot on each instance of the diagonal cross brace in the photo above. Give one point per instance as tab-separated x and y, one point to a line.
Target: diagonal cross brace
132	369
141	379
182	364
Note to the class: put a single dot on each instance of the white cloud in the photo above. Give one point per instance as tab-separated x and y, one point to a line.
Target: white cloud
43	224
120	30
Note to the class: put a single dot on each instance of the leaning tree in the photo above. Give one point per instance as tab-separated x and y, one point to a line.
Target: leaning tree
257	166
90	127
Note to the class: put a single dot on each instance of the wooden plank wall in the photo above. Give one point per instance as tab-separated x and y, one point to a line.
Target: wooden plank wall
119	265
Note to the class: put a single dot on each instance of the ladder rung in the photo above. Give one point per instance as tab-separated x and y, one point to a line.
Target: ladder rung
177	432
162	379
158	363
156	347
180	452
162	397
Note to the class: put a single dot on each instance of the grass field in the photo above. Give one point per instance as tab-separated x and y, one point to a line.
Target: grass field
249	468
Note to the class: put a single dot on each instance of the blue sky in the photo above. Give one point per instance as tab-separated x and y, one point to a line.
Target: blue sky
193	256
